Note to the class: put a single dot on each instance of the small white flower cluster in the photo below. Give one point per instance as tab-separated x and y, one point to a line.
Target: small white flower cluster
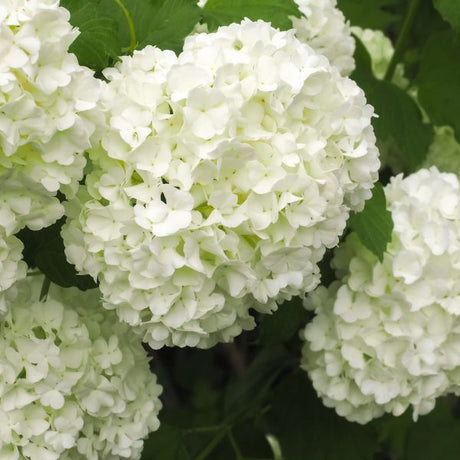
46	97
221	177
379	47
444	151
387	335
12	267
23	202
324	28
74	382
46	103
381	50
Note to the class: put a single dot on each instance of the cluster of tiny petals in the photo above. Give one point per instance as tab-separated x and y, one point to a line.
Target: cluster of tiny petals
75	384
386	335
22	203
46	97
324	27
379	47
222	176
12	267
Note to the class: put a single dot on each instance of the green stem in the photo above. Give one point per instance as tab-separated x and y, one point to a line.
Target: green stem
204	429
402	38
129	20
250	458
212	444
45	288
275	446
236	448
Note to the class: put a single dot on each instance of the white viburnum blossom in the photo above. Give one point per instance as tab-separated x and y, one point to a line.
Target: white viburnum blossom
323	27
222	176
12	267
381	50
46	97
23	202
75	384
386	335
444	151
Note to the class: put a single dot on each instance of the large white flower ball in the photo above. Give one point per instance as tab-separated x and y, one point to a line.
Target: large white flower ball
23	202
323	26
12	267
222	176
386	336
74	382
46	97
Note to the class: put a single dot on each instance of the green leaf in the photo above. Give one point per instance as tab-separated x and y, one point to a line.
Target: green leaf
374	224
401	133
166	444
283	324
247	392
436	435
439	80
193	367
375	14
308	430
450	11
174	20
223	12
98	41
45	250
250	440
163	23
393	433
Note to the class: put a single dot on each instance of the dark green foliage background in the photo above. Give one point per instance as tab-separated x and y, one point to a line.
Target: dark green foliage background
222	403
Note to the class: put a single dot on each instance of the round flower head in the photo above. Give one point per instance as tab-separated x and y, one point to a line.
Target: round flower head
12	267
75	383
323	27
46	97
22	203
220	180
387	334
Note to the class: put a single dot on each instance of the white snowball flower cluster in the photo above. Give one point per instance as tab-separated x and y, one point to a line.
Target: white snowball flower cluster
46	97
379	47
22	203
12	267
221	178
381	50
46	119
323	27
74	382
444	151
386	336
